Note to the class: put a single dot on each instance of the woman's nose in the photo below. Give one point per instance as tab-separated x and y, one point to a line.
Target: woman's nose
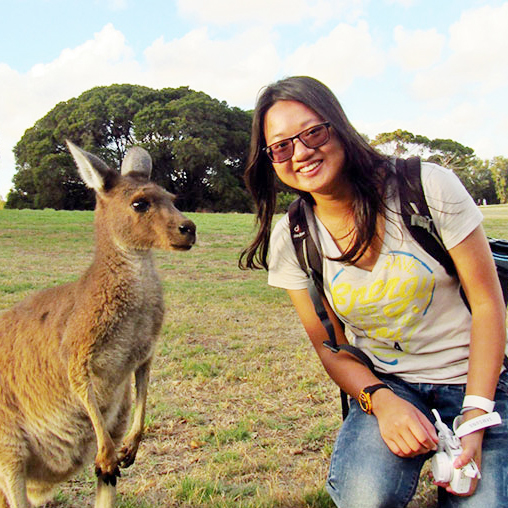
300	151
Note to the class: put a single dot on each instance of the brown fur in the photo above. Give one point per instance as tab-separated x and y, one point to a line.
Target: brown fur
67	354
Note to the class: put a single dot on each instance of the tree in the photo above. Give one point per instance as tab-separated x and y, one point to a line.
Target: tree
400	143
201	144
198	146
445	152
498	168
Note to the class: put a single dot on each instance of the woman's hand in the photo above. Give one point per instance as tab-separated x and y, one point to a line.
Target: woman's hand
471	450
405	429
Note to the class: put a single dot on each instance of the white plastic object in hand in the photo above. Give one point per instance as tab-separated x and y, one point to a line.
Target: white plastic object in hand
449	449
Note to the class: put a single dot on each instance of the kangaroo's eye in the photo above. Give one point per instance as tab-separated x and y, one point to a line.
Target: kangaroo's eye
141	205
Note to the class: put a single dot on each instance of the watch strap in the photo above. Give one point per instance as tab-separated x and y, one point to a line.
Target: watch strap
364	398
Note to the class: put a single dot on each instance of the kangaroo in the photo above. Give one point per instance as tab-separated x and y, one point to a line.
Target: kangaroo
68	353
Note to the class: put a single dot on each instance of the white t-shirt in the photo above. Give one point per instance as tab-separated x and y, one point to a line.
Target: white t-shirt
406	313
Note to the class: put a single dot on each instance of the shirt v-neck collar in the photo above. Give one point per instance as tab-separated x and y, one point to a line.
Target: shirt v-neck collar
331	249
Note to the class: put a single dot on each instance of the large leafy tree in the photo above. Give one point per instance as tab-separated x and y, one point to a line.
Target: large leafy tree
202	146
198	146
400	143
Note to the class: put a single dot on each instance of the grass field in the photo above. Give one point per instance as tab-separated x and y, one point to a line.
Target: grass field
240	412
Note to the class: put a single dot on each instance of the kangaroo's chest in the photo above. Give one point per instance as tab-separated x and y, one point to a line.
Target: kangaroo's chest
130	331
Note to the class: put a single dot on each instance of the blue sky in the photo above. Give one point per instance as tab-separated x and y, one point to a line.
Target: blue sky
434	67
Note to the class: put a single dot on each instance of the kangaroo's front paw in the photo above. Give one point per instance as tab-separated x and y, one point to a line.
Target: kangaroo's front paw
106	465
127	454
108	477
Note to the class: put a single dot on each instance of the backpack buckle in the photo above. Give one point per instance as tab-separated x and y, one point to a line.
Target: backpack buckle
422	222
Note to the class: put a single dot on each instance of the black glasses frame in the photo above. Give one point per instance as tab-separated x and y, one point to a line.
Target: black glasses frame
268	149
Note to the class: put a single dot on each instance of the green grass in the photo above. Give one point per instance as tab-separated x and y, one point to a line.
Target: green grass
240	412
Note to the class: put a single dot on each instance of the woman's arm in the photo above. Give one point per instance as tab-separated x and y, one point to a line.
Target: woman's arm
405	430
477	272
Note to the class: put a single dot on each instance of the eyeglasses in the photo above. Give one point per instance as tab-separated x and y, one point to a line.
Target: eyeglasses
314	137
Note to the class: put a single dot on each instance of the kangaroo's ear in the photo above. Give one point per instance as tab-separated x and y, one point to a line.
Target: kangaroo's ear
137	161
94	171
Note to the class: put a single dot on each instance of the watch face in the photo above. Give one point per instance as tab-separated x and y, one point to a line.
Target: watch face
365	402
364	398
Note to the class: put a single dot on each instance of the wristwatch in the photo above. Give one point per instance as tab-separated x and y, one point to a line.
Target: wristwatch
364	398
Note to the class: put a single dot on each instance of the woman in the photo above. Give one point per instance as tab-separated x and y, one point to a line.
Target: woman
400	306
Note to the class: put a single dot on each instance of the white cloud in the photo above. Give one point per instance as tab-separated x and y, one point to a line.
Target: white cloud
417	49
269	12
233	69
346	53
230	69
26	97
478	57
480	45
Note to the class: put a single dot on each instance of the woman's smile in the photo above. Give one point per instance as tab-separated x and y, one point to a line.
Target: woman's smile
309	167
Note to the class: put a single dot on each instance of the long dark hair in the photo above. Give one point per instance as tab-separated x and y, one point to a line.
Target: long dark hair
364	167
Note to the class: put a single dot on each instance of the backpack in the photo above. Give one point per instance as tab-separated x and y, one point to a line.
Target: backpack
418	220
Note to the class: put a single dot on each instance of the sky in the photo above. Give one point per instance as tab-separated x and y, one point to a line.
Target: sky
437	68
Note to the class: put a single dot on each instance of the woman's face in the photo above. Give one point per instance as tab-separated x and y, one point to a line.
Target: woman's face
313	170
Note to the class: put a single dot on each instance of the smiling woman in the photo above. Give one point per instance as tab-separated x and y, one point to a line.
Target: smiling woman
391	298
285	110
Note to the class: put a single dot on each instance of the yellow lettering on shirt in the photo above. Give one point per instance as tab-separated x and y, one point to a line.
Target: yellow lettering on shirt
389	308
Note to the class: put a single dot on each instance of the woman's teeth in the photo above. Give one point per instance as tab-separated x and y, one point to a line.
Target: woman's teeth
309	168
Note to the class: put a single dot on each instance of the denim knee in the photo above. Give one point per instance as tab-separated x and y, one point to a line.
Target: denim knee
364	473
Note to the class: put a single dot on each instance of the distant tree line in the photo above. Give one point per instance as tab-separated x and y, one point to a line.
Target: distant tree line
486	180
199	148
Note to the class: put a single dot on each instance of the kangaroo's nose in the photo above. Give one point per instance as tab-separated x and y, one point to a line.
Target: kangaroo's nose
187	228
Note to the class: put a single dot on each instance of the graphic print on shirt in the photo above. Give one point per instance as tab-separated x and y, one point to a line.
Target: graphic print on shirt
388	307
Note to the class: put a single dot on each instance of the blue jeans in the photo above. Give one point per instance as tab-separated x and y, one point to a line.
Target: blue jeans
364	473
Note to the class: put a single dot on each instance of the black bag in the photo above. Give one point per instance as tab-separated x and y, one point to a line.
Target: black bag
418	220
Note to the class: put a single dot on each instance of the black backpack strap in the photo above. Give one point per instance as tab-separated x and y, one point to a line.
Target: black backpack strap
309	255
299	232
305	240
499	250
308	252
416	214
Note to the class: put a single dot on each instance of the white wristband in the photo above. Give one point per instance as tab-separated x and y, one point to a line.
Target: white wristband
477	402
478	423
